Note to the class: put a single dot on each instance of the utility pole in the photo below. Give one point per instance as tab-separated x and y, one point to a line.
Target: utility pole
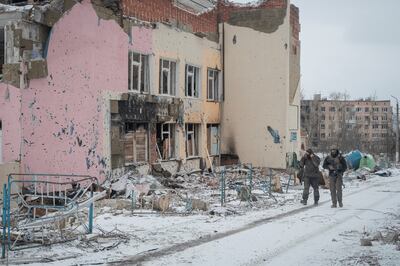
397	129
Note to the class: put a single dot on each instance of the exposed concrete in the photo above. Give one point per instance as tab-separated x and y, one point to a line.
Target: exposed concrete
263	20
11	74
37	69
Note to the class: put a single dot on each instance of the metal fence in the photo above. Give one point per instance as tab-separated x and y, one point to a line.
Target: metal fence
40	209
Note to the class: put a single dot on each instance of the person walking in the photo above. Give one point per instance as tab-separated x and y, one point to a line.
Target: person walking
336	165
310	166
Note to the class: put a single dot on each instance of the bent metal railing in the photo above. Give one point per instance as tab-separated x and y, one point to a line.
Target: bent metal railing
40	209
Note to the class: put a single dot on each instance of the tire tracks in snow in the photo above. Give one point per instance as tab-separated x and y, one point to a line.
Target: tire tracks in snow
269	256
154	254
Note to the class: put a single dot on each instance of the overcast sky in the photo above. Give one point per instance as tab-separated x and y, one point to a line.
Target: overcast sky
350	45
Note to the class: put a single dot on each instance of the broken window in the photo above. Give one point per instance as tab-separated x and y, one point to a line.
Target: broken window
213	139
167	77
192	81
138	78
192	139
166	141
136	142
212	85
2	59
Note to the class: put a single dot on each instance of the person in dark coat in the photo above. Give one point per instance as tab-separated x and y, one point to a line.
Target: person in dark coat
310	166
336	165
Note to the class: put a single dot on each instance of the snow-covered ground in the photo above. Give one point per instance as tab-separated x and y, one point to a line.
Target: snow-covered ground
283	233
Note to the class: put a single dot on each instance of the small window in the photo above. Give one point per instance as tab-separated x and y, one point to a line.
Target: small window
322	117
375	126
384	118
212	85
322	135
375	109
384	126
167	77
332	109
192	81
358	109
322	109
322	126
138	78
375	118
384	109
366	109
192	139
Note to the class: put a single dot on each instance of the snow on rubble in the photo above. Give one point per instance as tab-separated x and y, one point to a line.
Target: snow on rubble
143	213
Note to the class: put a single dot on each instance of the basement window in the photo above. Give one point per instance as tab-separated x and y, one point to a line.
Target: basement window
166	141
213	139
138	66
192	81
212	85
167	77
136	143
192	131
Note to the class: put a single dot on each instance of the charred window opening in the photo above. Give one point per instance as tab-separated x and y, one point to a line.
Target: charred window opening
213	139
192	139
167	77
2	51
192	81
166	141
136	143
139	77
212	85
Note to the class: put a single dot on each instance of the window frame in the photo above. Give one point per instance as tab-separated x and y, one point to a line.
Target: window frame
195	135
195	76
214	79
143	67
172	78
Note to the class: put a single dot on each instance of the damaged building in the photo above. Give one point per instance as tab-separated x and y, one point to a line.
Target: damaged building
97	87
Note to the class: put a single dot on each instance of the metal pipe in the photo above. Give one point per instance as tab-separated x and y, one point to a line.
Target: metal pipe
397	129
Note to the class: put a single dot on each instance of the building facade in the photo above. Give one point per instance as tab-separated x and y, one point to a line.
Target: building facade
98	87
348	124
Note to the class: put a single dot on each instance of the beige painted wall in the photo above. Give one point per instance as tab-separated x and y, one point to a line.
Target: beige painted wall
187	48
257	95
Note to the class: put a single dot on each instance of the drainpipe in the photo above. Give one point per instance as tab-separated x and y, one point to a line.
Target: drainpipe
397	129
223	90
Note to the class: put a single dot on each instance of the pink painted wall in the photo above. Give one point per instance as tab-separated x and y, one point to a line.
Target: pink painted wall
63	114
10	116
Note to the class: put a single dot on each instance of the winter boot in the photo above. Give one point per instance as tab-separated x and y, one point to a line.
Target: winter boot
340	204
333	206
316	199
303	201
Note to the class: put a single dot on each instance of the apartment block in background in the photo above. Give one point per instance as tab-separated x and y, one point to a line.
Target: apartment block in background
348	124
